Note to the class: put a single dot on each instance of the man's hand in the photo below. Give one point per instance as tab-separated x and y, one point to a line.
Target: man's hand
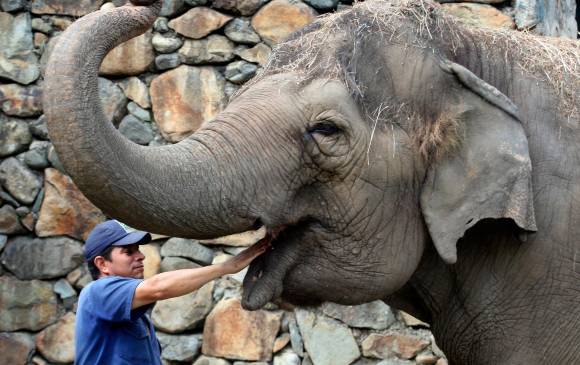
244	258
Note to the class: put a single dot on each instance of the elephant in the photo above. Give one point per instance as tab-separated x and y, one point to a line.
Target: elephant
391	153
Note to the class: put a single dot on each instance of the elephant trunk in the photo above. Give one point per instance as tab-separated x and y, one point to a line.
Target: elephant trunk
172	190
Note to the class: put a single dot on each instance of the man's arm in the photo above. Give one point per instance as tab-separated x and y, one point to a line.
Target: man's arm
176	283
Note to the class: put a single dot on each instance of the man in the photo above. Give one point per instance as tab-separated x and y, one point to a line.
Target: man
111	324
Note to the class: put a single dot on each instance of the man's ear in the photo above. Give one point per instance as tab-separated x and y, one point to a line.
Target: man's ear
101	264
487	174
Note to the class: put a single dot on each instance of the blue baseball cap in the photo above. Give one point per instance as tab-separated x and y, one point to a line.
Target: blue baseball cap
112	233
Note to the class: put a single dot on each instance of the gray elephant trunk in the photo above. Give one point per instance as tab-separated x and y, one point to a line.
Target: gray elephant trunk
169	190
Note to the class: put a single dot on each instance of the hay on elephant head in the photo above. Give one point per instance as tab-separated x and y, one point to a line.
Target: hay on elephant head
313	52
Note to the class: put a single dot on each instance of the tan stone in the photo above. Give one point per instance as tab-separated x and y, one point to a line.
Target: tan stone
61	23
234	333
243	239
412	321
137	91
279	18
130	58
185	312
64	209
40	39
186	97
384	346
442	362
199	22
281	342
213	49
480	15
152	261
56	342
15	348
426	359
65	7
257	54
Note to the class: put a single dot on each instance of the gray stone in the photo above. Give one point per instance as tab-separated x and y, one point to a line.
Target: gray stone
286	357
136	130
28	305
250	363
139	112
240	30
113	100
207	360
167	61
17	59
365	361
21	212
327	341
66	293
550	18
36	258
3	239
183	313
38	128
182	247
172	7
166	44
7	198
161	25
243	7
16	348
37	156
19	180
171	263
240	71
295	337
9	222
323	5
54	160
13	5
376	315
64	289
179	347
15	136
213	49
230	89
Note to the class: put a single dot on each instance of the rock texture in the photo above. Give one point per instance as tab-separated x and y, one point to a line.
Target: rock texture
233	333
185	98
157	89
65	210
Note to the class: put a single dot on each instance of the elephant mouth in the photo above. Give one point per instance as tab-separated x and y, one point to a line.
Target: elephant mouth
264	280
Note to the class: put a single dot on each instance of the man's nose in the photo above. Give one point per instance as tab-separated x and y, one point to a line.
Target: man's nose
140	256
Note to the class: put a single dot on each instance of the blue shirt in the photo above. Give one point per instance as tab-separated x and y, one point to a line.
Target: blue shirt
108	332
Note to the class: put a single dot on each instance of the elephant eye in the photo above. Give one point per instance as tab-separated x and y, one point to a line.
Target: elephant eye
324	128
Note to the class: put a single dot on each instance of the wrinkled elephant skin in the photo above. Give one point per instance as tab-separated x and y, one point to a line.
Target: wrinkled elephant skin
391	153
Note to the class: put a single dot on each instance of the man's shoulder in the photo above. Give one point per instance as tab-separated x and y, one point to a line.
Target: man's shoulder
105	283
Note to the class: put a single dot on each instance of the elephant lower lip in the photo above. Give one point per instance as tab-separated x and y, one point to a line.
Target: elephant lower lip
264	280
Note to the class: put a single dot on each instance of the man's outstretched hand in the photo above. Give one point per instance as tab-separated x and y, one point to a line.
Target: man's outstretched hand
244	258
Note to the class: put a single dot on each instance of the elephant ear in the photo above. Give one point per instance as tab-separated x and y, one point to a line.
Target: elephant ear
487	175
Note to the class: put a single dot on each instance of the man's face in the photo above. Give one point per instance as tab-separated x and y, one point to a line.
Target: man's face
126	261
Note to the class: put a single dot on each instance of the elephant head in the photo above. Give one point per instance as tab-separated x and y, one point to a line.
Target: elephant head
361	143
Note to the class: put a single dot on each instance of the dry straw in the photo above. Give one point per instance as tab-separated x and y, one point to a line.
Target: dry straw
316	51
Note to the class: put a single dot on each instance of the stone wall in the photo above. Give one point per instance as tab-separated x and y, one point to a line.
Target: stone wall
199	50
